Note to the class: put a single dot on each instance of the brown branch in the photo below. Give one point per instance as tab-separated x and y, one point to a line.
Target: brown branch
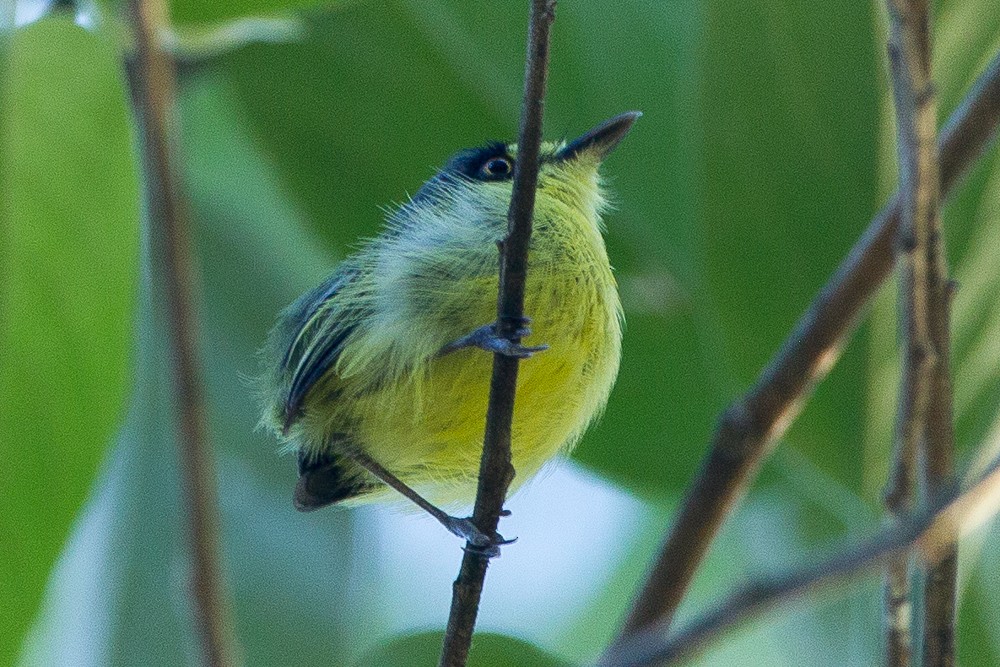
940	579
917	121
750	426
153	84
932	531
916	129
495	469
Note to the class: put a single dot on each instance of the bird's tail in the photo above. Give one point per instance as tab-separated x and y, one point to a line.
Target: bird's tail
328	478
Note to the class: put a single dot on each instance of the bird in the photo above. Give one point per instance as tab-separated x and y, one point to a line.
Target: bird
377	377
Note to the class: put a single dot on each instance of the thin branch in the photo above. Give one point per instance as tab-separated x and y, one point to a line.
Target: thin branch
750	426
909	65
495	469
932	531
911	25
153	86
940	579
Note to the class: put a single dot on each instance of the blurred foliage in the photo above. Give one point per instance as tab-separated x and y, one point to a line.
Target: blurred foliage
194	11
488	650
764	151
790	182
69	219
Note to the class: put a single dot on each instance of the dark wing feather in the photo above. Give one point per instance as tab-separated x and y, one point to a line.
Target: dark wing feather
308	357
316	363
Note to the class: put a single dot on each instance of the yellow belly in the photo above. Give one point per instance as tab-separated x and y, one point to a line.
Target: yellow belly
429	429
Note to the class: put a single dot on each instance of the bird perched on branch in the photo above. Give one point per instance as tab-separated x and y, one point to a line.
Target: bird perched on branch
377	378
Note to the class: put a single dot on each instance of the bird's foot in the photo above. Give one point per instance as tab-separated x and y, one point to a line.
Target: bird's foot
488	338
476	540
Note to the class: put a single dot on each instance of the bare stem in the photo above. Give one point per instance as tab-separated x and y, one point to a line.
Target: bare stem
932	531
911	27
495	469
916	125
749	427
153	86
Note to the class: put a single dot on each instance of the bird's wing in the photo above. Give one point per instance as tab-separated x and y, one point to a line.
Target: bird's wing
317	343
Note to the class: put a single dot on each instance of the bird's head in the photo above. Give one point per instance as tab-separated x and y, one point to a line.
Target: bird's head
568	180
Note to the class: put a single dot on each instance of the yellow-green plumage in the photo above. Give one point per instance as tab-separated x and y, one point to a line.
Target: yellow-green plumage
357	362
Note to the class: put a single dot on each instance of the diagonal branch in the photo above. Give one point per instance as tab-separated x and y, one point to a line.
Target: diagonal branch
749	427
495	469
932	531
153	84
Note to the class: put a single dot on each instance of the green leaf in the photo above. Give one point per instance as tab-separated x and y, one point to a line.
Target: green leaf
790	127
979	598
968	35
289	575
977	646
200	41
68	272
488	650
345	147
194	11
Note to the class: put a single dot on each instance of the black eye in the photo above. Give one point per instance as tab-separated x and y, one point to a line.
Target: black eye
497	166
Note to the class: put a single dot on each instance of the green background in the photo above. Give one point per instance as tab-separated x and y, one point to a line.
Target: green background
764	150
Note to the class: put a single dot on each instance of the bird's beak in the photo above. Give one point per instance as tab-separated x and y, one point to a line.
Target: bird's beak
602	139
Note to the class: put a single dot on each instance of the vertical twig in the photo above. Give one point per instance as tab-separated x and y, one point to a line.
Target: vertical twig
495	469
926	373
919	359
940	578
153	84
748	429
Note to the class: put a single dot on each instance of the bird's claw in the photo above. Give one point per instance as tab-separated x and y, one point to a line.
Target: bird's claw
476	541
488	338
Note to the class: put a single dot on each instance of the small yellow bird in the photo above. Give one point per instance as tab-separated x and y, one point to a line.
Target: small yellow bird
374	378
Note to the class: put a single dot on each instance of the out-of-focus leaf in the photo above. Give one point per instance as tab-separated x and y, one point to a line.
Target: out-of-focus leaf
290	575
197	41
488	650
979	598
966	35
346	156
976	364
245	227
293	576
68	273
977	628
660	413
790	121
217	11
